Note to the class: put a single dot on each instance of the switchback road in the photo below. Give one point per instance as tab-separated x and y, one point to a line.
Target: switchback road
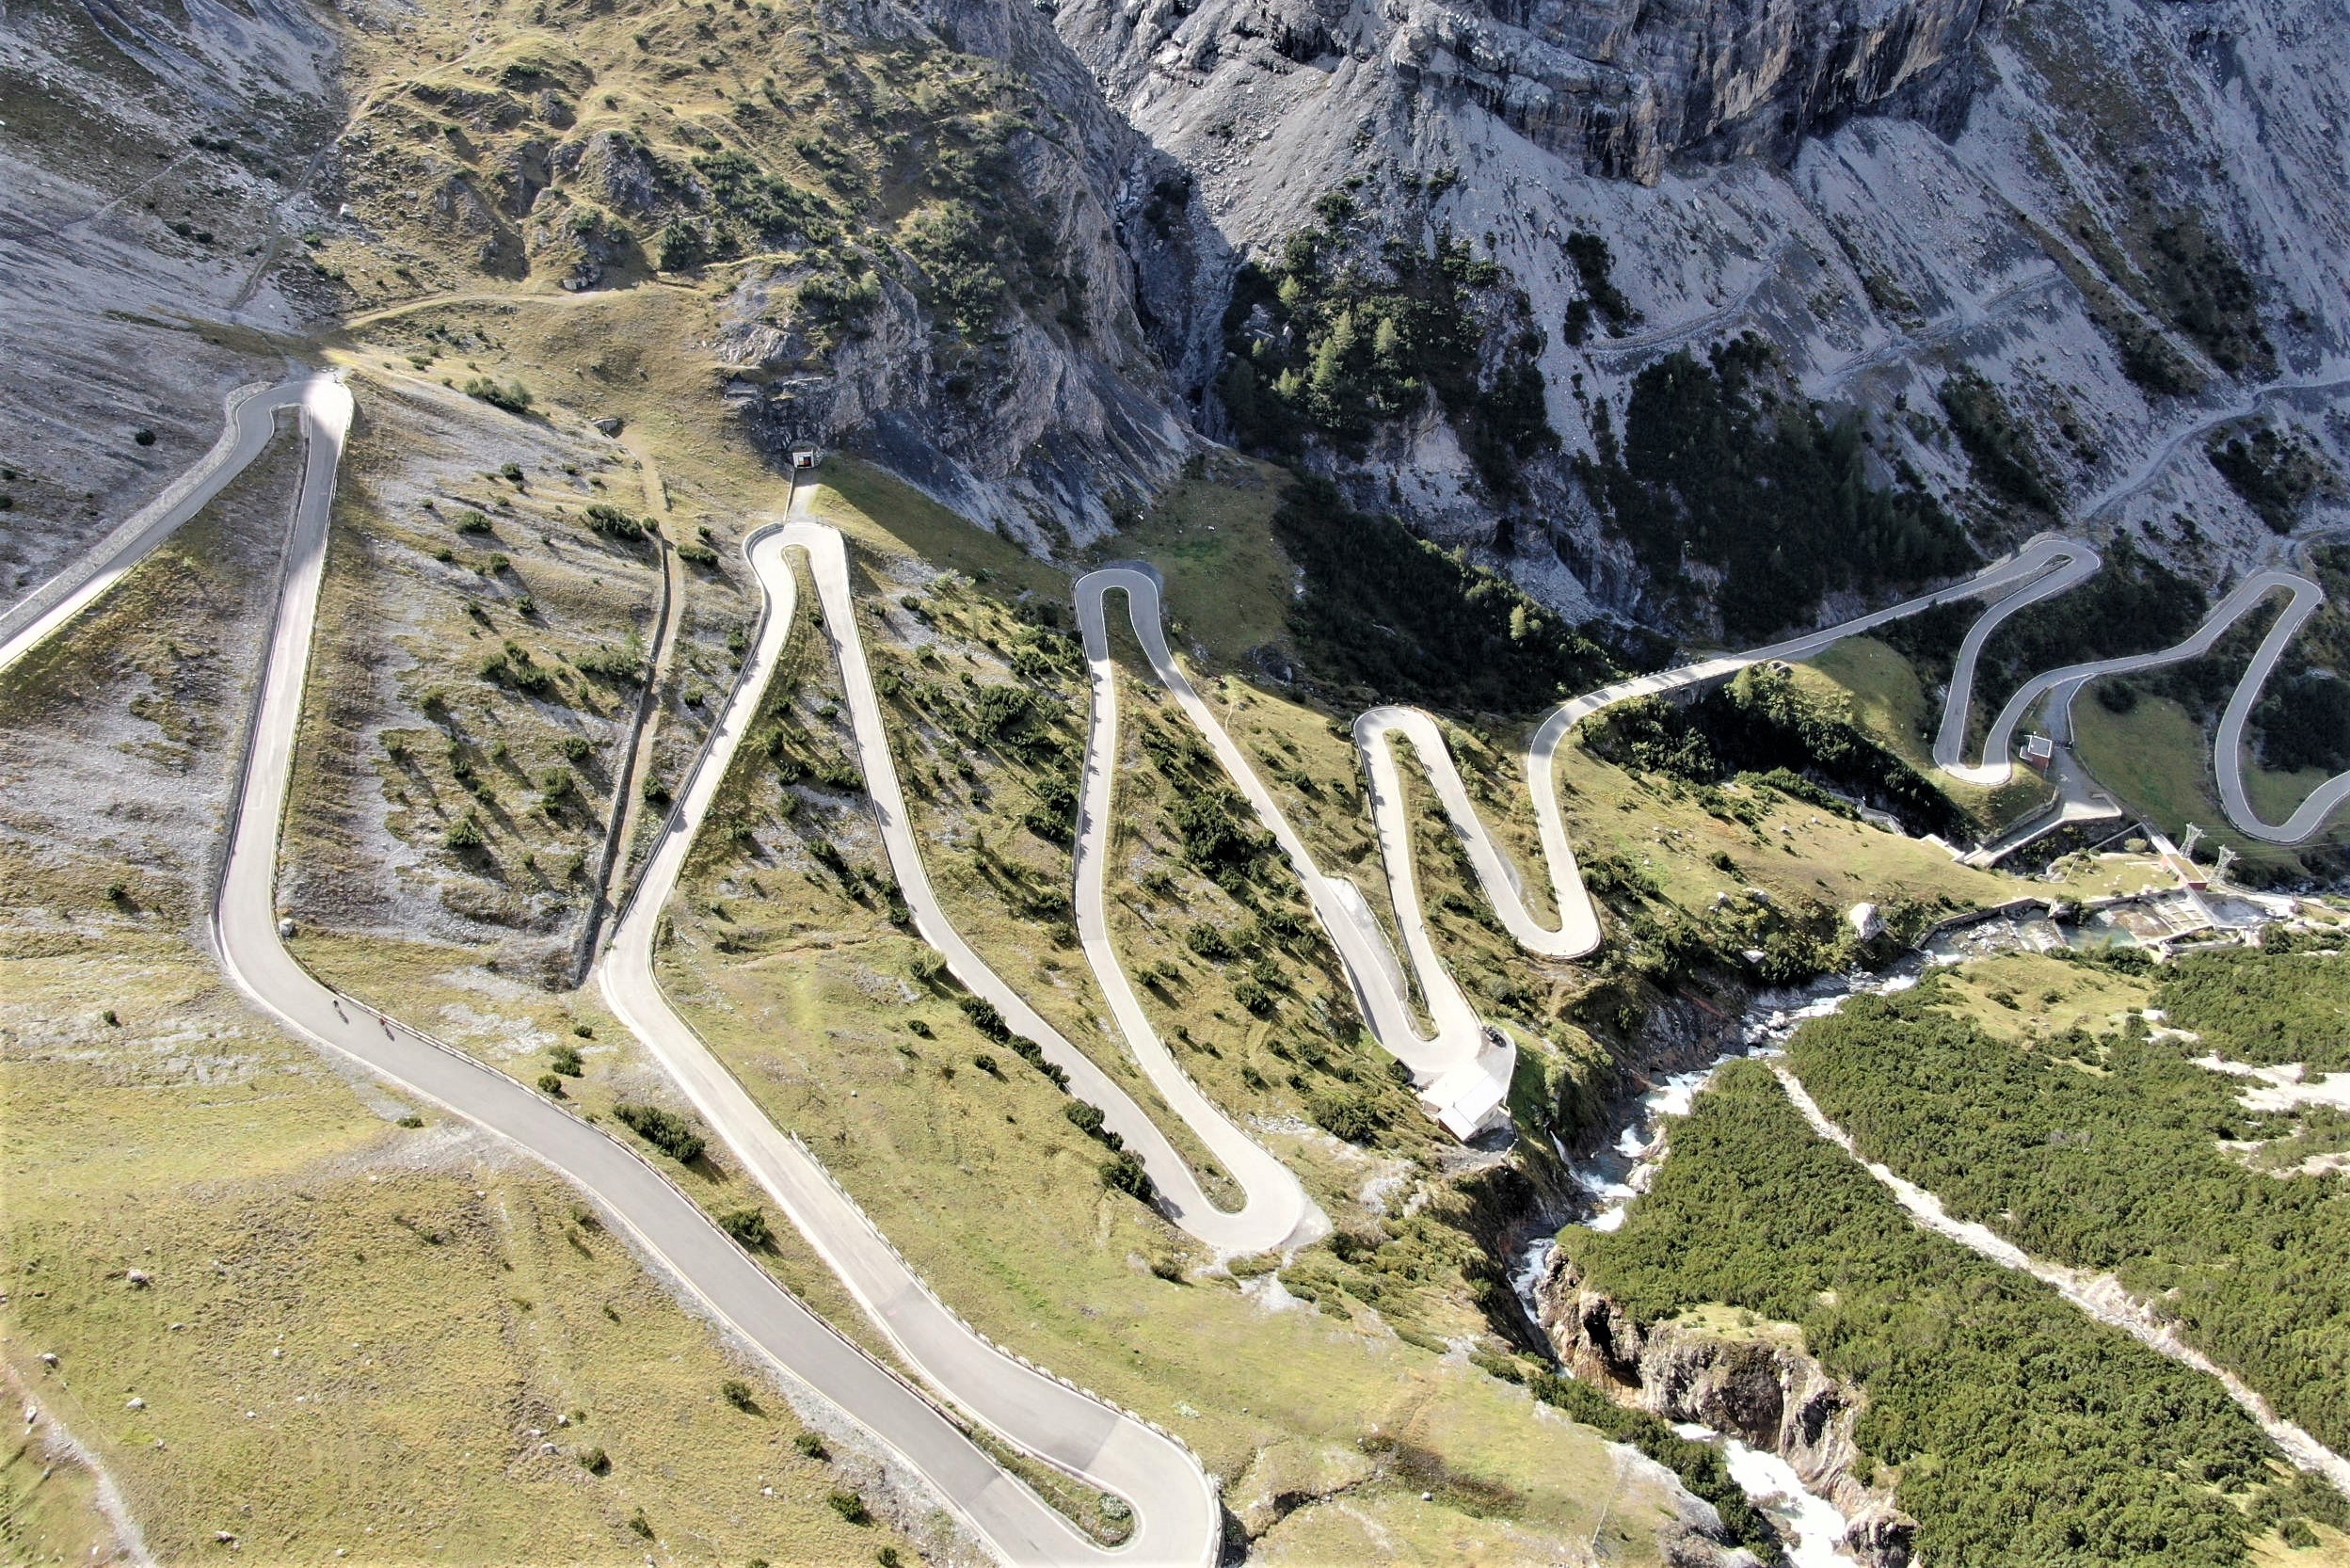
253	416
2058	688
1177	1520
1462	1070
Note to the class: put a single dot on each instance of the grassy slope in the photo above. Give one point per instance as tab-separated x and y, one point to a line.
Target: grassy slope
277	1211
1817	856
1209	536
1889	703
805	987
2112	873
248	1177
49	1499
2021	994
398	664
2158	759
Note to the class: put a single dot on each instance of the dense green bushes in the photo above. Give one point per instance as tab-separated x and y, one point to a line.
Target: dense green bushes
604	518
2024	1430
1347	1113
2104	1152
959	252
2263	1008
1122	1172
514	398
766	212
1720	465
1763	723
1595	264
1325	343
1384	610
2207	295
834	303
748	1226
2275	473
1213	824
667	1131
2004	460
2305	723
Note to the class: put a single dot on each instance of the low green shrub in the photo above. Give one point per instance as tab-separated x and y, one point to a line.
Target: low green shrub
1124	1173
514	398
667	1131
748	1226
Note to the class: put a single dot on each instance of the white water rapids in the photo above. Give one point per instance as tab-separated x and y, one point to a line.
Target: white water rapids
1622	1168
1811	1526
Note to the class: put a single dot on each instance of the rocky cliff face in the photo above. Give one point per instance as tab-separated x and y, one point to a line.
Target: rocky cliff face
1068	418
1887	191
1617	87
1763	1390
940	245
152	160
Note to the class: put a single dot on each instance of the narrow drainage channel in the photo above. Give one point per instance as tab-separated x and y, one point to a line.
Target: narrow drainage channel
1813	1528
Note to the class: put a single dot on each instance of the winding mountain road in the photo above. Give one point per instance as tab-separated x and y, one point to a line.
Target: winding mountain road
1462	1070
2229	754
2058	688
1461	1067
251	420
1176	1516
2070	564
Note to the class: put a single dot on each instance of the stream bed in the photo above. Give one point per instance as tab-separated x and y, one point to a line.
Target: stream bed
1622	1167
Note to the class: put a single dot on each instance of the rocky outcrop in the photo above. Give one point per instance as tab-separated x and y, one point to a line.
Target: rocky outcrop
1762	1389
1061	420
1623	86
1617	87
1046	431
1039	441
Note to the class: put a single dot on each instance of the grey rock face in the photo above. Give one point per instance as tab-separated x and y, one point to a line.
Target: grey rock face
1624	85
1617	88
1764	1391
614	169
1065	418
1885	190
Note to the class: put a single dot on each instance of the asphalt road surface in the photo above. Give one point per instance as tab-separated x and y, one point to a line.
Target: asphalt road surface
1177	1514
1461	1068
1177	1521
2058	688
253	419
